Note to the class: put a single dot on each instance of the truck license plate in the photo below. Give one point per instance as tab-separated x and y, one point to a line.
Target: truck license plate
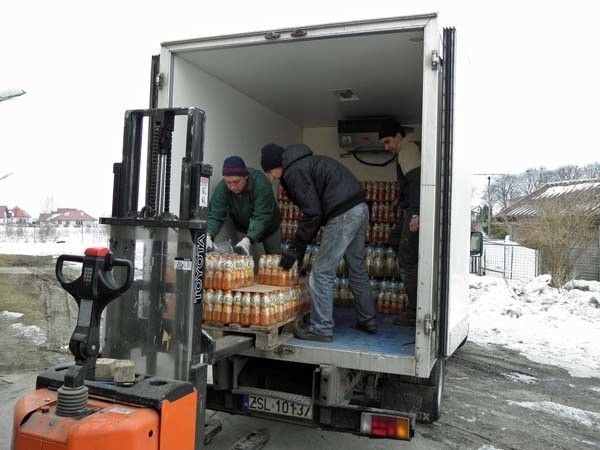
277	406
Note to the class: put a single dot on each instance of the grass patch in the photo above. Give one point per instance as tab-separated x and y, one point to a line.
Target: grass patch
26	261
21	293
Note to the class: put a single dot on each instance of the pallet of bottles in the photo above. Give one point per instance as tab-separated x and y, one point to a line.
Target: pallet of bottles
381	191
258	309
228	271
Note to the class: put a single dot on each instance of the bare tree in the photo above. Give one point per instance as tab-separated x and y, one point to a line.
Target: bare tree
48	205
561	229
503	189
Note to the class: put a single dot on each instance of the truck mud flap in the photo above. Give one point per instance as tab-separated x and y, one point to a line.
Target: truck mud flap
423	397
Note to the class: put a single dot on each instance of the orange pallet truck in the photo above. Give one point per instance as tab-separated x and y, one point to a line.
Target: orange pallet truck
72	409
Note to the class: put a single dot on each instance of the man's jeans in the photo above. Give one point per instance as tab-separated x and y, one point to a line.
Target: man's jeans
343	237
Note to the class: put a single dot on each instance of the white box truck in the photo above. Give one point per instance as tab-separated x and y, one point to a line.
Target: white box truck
293	86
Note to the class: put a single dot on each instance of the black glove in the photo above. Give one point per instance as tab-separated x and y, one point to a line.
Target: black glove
293	253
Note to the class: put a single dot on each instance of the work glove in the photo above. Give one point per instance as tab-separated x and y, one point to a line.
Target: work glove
242	247
210	246
292	254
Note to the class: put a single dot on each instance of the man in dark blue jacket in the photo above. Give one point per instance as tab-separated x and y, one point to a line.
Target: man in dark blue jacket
329	196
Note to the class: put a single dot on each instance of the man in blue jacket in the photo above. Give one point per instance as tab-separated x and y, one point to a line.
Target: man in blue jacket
329	196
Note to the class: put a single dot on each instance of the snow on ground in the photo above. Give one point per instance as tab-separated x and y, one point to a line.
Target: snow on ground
588	418
547	325
68	240
32	332
520	378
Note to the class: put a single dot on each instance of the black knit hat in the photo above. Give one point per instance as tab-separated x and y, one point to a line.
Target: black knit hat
389	127
270	157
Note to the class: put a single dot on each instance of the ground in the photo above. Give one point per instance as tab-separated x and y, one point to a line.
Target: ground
495	397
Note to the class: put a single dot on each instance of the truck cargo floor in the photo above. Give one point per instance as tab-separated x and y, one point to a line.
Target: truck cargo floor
389	340
390	350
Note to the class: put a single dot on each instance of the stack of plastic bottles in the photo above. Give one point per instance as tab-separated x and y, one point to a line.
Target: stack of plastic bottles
270	273
228	271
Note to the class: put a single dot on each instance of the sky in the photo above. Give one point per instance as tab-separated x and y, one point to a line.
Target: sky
526	82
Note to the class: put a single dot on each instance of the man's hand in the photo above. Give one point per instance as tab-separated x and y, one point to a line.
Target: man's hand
413	225
210	246
290	256
242	247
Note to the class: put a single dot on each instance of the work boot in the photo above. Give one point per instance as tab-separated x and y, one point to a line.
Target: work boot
368	326
407	318
302	332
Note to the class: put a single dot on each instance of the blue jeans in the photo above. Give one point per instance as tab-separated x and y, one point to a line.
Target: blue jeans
343	237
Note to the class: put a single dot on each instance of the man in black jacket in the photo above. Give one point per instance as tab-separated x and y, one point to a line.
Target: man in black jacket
406	146
329	196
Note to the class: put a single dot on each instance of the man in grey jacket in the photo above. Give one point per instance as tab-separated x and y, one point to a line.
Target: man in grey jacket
329	196
407	148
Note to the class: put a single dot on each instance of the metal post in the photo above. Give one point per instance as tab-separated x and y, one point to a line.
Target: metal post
489	208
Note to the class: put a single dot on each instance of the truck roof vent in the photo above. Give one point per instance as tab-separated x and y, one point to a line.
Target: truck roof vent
345	95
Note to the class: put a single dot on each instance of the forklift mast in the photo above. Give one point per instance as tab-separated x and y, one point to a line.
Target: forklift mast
158	323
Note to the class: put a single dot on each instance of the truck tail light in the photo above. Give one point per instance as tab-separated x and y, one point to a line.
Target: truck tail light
380	425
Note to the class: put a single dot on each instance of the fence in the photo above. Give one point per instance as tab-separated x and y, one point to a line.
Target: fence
506	260
44	233
586	264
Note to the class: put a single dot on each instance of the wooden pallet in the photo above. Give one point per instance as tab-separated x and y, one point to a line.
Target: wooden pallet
266	338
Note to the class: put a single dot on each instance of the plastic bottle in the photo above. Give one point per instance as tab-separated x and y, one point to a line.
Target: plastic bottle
255	309
227	308
218	306
262	269
236	312
380	302
245	315
265	310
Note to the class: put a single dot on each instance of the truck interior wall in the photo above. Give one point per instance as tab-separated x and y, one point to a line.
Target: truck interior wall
235	123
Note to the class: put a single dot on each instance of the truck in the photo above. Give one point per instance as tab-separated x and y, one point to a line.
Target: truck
323	86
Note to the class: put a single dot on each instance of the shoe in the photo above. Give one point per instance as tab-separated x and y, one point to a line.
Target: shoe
304	333
367	326
405	319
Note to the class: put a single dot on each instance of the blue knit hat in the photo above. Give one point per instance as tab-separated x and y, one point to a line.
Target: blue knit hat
234	166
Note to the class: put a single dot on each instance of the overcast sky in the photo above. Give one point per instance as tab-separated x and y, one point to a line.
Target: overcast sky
527	81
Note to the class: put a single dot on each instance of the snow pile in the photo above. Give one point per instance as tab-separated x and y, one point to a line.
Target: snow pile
10	315
548	325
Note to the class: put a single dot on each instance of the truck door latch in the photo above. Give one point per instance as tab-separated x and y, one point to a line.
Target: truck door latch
428	324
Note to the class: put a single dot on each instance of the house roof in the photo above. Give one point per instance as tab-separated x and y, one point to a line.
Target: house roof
19	213
585	194
67	215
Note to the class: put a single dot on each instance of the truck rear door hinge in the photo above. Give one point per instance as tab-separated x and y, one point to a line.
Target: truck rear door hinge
436	60
428	324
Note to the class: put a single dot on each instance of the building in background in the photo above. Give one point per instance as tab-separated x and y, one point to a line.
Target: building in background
68	217
15	216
